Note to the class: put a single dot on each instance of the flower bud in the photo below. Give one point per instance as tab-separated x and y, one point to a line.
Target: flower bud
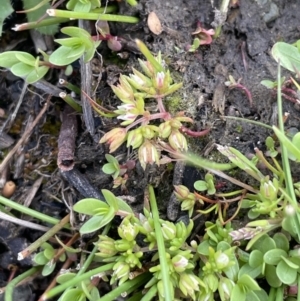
114	138
222	260
148	154
135	138
168	230
106	246
179	263
133	259
127	230
189	284
225	288
181	192
149	131
269	189
165	129
121	270
122	245
177	141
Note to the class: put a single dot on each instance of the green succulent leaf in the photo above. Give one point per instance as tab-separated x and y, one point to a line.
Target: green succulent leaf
123	206
285	273
48	268
287	55
89	206
110	199
281	241
271	276
238	294
268	83
273	257
8	59
73	294
200	185
21	69
248	283
95	295
40	259
70	42
36	74
251	271
290	263
264	244
26	58
256	258
66	55
49	253
6	10
109	168
252	214
203	248
65	277
97	221
294	152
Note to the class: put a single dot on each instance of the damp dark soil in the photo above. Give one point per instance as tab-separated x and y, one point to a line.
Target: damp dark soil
242	50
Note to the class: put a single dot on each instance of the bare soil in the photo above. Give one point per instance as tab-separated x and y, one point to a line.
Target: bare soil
242	51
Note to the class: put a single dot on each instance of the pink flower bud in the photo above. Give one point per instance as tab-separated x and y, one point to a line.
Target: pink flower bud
114	138
178	141
148	154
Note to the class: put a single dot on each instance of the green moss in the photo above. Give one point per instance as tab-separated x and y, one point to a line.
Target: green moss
239	129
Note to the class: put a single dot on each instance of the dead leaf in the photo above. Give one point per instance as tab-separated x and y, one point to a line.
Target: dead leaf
154	23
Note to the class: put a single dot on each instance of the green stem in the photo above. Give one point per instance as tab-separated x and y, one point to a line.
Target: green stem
279	294
132	2
136	297
285	159
272	293
249	121
298	282
34	246
30	212
11	285
38	24
70	86
127	286
148	55
70	101
150	294
90	16
165	276
60	288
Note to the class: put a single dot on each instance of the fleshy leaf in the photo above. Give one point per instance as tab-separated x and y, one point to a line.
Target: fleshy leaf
287	55
89	206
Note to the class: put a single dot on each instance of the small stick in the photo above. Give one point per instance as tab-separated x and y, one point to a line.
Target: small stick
86	85
81	183
66	140
26	224
12	116
26	252
25	136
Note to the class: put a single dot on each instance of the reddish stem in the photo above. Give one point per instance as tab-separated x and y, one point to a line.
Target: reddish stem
191	133
247	92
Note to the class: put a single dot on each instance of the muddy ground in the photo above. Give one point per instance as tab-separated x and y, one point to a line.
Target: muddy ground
242	51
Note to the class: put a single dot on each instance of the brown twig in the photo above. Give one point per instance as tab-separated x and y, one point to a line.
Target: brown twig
86	80
25	136
66	140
